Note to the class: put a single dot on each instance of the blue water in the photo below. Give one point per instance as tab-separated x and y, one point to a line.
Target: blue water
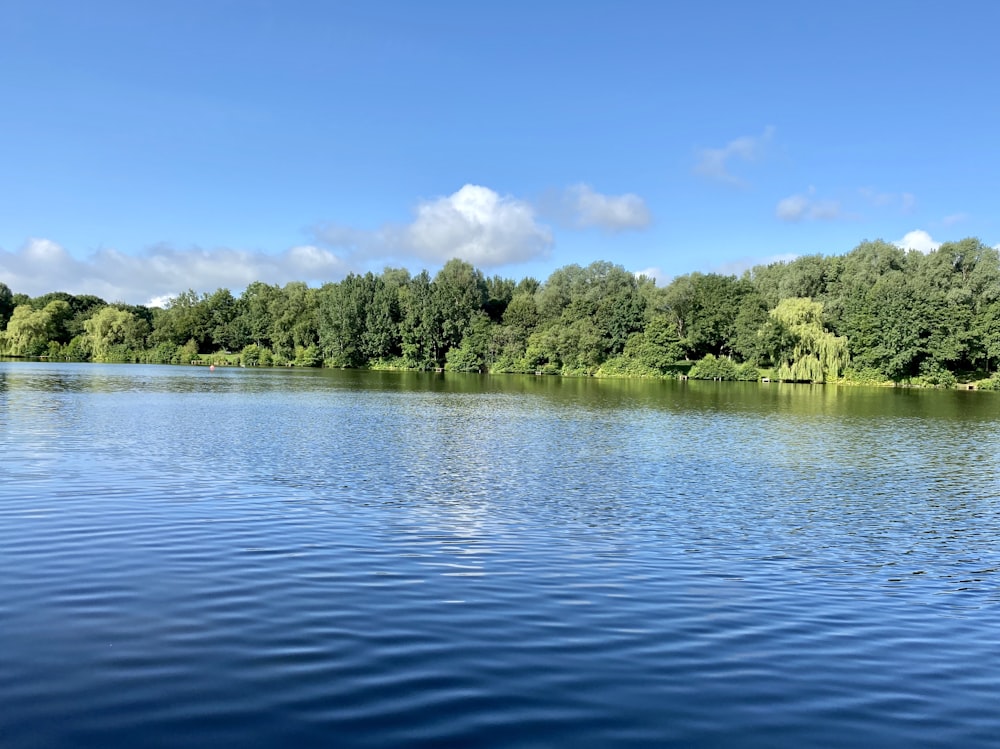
258	558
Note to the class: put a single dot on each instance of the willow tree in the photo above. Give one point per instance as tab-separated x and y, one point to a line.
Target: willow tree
108	332
29	331
804	351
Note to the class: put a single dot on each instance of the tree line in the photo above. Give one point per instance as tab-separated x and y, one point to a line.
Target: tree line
875	314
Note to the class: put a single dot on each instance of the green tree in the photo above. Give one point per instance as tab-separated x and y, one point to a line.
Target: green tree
458	292
380	340
109	332
6	304
704	308
294	319
654	350
185	319
885	329
477	351
254	320
224	330
27	332
499	292
341	311
711	367
420	324
806	351
585	316
984	284
750	319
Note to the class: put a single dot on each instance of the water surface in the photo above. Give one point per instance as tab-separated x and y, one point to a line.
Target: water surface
322	558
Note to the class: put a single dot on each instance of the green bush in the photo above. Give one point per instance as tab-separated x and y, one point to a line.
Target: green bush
714	368
747	372
78	349
463	359
933	374
307	356
993	383
866	376
250	355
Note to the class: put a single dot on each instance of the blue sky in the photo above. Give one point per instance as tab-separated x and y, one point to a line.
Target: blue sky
148	148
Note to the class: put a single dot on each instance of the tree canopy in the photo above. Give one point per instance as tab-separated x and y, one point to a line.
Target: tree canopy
874	313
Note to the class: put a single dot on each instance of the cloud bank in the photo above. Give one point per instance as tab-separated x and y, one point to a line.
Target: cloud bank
474	223
41	266
487	229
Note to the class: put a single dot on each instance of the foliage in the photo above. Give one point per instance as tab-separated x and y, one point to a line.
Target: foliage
802	349
932	374
993	383
747	372
6	304
876	314
307	356
164	353
711	367
250	356
865	376
109	333
704	309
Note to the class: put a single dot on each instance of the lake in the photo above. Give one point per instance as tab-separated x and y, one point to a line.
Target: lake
307	558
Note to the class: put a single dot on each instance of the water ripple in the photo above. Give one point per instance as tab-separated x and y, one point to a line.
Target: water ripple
373	559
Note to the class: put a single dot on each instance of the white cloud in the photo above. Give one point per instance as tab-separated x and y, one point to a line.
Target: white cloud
716	163
160	272
475	224
799	207
955	218
918	240
43	251
314	262
479	226
39	261
587	208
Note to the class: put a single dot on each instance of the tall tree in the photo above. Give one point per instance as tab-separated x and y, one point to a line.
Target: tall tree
805	351
222	311
29	331
459	291
294	321
420	326
342	311
380	340
6	304
109	331
254	318
704	308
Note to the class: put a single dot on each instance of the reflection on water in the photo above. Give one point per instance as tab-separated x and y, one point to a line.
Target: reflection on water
272	557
